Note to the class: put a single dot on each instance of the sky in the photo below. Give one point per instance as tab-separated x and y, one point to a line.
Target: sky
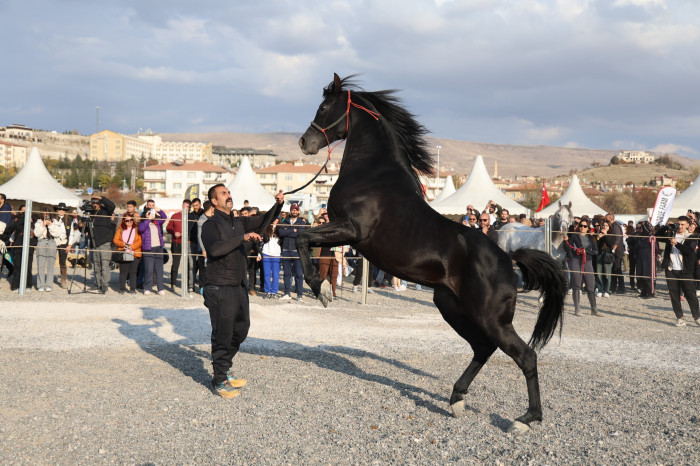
603	74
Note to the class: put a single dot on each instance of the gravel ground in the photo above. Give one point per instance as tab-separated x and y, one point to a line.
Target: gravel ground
92	378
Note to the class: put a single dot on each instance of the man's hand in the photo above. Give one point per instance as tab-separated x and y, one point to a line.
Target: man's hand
177	234
3	248
279	197
249	236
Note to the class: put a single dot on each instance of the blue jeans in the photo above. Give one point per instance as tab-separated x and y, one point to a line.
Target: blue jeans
153	262
271	272
291	262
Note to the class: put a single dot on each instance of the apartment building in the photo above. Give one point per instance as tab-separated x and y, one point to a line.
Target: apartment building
12	155
109	146
635	156
231	156
289	176
173	179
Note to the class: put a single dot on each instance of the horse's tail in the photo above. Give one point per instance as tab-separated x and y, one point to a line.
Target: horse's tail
541	272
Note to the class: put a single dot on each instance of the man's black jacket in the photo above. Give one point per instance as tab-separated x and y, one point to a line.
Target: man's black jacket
102	226
222	237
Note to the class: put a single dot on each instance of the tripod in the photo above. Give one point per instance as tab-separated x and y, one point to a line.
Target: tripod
86	228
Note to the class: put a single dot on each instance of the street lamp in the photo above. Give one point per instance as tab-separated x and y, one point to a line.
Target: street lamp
438	162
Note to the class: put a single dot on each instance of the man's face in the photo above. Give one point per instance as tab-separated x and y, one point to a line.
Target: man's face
130	208
294	213
472	220
504	215
484	221
196	205
186	205
245	213
96	205
222	199
682	226
61	212
150	205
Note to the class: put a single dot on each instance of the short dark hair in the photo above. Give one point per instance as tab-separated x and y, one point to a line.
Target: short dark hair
4	198
150	200
210	193
187	201
683	218
206	205
196	199
133	203
246	209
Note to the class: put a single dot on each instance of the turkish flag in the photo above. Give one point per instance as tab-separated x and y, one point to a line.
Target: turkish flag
545	198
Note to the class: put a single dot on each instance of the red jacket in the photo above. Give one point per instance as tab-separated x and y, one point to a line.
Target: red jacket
175	225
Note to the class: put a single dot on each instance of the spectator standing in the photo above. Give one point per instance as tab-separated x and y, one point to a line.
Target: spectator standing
15	231
486	228
679	264
632	254
289	230
225	294
207	212
271	254
195	214
47	232
175	229
103	231
503	219
5	210
151	230
618	280
605	243
645	259
580	248
472	221
128	239
63	220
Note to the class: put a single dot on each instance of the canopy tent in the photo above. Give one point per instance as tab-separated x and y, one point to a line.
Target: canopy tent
688	199
244	186
580	204
477	191
447	191
34	182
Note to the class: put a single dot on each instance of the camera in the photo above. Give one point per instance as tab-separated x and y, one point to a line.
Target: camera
87	207
672	228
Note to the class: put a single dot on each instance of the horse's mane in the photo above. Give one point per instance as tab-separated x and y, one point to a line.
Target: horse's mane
409	133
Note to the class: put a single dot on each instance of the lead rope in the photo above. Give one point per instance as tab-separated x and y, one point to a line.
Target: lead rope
652	240
579	252
375	115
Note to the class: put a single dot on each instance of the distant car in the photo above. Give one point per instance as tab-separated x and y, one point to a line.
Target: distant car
79	192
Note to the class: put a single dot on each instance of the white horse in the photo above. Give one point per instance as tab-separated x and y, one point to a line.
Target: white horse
513	236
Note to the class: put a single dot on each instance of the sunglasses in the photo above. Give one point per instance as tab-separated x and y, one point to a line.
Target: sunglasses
483	219
583	225
128	221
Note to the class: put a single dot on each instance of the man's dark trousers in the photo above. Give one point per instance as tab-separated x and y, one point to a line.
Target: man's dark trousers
291	262
230	320
678	281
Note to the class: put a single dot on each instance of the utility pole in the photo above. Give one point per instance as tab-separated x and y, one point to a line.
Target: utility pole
97	127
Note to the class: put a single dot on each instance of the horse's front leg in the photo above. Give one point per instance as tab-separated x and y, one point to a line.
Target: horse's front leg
335	233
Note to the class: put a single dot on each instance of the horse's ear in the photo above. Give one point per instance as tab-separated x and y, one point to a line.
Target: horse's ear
569	204
337	85
559	202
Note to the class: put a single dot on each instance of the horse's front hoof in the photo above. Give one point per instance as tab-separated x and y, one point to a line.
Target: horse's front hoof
458	408
518	428
326	294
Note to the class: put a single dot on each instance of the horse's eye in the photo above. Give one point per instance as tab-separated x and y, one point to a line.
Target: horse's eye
322	107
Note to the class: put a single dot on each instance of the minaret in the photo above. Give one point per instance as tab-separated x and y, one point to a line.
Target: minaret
495	169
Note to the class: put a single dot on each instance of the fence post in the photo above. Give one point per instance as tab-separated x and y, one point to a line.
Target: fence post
548	235
185	257
25	247
365	279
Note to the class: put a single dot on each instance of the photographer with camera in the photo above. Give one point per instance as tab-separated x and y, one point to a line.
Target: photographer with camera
99	211
679	264
48	231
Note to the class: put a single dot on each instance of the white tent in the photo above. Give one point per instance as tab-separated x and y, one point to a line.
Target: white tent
446	192
688	199
580	204
34	182
477	191
245	186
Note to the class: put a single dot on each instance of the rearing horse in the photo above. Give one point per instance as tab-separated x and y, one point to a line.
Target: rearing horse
377	207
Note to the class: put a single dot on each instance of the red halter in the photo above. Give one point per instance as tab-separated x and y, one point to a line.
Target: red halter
346	115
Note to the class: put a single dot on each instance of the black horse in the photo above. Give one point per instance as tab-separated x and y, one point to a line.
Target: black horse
377	207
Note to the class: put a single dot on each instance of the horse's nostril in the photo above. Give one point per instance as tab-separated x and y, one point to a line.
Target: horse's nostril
301	142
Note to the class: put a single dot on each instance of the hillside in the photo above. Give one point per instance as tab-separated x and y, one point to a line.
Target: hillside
454	155
636	174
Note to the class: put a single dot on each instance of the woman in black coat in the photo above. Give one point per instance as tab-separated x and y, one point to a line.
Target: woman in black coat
580	249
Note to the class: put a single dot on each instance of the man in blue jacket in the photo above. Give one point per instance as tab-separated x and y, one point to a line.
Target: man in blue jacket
288	231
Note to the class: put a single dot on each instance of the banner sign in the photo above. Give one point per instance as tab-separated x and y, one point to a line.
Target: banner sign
662	208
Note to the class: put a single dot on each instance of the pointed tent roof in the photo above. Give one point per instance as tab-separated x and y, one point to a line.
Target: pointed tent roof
580	204
245	186
447	191
477	191
34	182
688	199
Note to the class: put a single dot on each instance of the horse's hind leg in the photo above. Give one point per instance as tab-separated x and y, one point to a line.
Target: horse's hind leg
525	357
455	315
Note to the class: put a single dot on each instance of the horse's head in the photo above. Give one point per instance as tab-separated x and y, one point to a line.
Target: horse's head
330	123
564	217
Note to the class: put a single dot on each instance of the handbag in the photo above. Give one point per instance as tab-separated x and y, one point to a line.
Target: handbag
123	257
607	257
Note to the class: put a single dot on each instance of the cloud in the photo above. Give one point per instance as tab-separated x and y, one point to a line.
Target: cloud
670	148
